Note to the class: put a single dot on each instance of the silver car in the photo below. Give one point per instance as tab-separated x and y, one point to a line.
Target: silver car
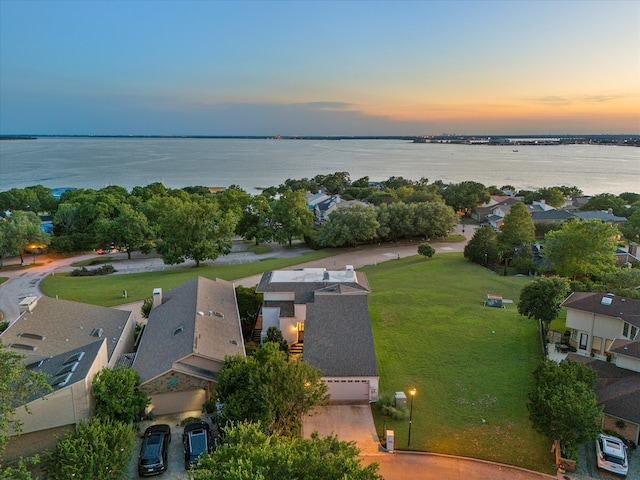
611	453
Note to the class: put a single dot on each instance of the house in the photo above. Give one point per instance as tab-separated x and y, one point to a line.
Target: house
603	216
604	330
70	342
498	206
550	216
189	332
597	319
324	315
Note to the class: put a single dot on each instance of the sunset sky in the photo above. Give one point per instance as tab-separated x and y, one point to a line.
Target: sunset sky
319	68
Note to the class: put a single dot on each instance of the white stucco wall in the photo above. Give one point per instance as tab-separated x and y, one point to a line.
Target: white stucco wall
628	363
607	328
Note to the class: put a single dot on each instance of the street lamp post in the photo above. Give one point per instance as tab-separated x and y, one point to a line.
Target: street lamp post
412	392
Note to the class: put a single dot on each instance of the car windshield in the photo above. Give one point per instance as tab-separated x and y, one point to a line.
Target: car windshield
614	459
198	439
151	448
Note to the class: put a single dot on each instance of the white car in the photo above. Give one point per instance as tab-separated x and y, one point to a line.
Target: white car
611	453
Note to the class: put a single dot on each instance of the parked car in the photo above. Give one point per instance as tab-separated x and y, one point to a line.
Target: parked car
196	440
153	453
611	454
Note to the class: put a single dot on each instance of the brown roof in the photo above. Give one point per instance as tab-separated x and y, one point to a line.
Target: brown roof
626	309
624	347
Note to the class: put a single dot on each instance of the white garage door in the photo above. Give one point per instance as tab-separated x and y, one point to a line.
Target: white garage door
176	402
348	391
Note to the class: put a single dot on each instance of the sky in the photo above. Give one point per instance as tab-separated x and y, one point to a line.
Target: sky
319	67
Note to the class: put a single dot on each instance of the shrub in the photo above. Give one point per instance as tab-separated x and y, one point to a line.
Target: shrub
84	272
386	404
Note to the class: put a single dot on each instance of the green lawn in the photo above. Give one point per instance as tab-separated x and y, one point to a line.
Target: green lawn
471	365
107	290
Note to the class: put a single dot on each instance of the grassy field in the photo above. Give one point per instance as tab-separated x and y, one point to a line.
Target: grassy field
107	290
471	365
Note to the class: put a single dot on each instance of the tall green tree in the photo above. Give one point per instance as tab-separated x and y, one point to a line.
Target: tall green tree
117	395
268	388
552	196
18	231
129	229
194	229
99	448
17	385
465	196
517	230
349	226
631	228
291	217
249	453
433	219
563	405
396	221
483	247
541	298
256	221
582	248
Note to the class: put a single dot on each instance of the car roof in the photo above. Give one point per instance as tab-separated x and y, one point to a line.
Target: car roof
158	429
612	446
196	426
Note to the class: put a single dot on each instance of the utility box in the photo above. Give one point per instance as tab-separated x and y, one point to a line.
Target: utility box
400	400
494	301
390	441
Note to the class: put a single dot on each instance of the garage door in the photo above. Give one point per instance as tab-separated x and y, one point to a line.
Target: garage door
348	391
176	402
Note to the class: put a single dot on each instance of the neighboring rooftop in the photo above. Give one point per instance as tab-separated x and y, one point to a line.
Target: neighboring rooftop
626	309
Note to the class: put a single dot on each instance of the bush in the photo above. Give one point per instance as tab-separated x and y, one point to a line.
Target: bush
386	404
97	448
84	272
3	326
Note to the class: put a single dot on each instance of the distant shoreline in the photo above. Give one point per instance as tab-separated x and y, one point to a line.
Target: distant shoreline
491	140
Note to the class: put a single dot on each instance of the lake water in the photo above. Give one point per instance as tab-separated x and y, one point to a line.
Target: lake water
253	163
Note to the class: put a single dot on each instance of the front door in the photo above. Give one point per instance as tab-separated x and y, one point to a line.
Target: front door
584	338
300	332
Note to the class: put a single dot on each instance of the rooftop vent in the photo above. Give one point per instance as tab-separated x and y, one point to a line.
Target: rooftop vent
606	301
178	330
61	380
70	368
97	332
34	336
218	314
76	357
34	365
22	346
233	342
201	314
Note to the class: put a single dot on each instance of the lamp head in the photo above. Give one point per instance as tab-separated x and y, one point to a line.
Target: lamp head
412	392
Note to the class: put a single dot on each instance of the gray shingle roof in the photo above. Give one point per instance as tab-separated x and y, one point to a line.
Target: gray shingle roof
338	339
599	215
65	325
626	309
199	317
618	389
549	215
627	348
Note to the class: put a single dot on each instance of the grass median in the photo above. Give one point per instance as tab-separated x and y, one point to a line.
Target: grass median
470	364
107	290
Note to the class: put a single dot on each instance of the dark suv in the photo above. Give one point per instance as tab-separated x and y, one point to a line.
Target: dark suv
153	453
196	440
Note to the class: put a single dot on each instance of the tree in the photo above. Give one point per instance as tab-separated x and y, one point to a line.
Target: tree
255	221
274	335
248	304
267	388
292	217
562	405
483	247
249	453
426	250
130	229
17	385
195	230
552	196
465	196
631	228
17	232
541	298
581	248
117	396
433	219
349	226
98	448
605	201
517	230
396	221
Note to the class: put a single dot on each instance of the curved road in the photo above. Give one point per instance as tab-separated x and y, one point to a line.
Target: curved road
396	466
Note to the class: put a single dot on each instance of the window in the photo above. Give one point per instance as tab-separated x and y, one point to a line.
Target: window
584	338
33	336
22	346
625	330
76	357
634	333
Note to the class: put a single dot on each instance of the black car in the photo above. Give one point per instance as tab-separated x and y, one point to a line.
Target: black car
153	453
196	440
